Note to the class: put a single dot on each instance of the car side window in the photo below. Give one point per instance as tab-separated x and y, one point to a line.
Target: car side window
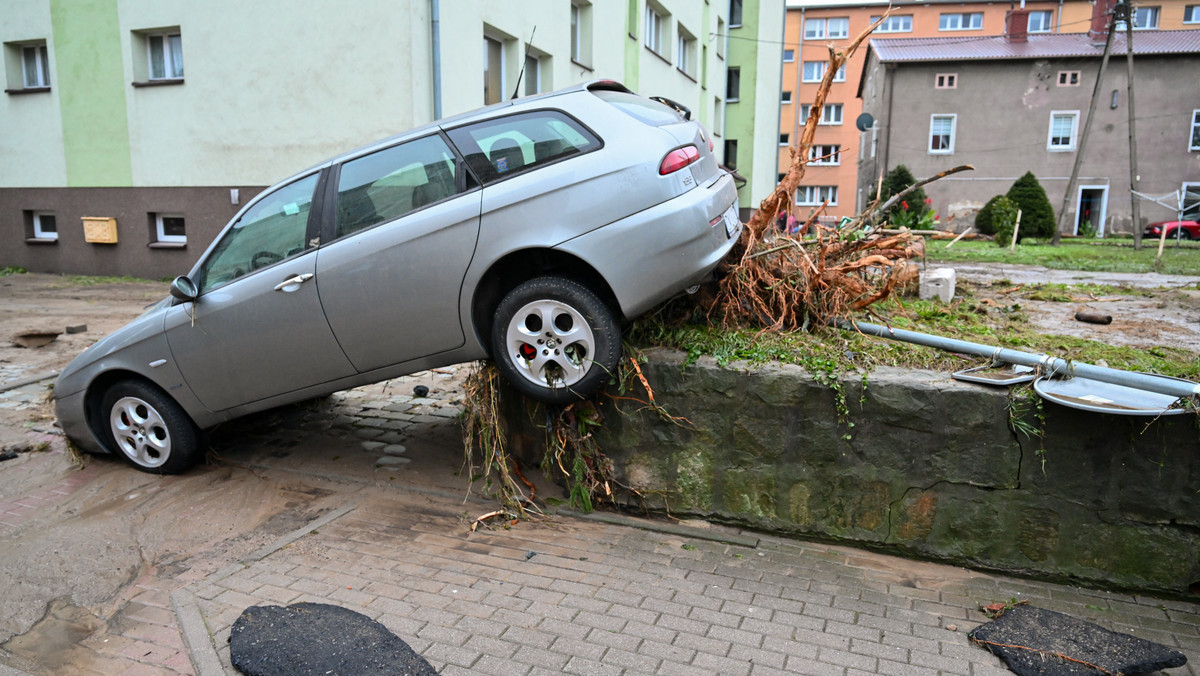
498	148
392	182
270	231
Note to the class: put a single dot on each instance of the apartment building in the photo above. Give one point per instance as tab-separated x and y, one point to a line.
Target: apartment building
813	26
156	120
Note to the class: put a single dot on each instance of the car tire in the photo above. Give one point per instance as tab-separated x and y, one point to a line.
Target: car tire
554	340
148	429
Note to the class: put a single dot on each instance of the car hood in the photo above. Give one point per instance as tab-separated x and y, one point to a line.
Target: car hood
106	352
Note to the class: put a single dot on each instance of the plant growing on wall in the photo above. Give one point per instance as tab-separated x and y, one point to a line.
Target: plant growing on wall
1037	216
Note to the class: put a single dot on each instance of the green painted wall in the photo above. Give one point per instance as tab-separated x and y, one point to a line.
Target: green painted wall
91	90
739	116
633	17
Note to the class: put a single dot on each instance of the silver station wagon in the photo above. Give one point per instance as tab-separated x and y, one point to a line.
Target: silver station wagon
526	232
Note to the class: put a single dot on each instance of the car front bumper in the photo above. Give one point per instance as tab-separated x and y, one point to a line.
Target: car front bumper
71	411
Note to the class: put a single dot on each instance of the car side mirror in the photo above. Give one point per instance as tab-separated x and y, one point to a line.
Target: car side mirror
183	288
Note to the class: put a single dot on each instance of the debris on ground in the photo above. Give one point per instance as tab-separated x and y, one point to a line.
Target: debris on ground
35	337
317	638
1093	318
1036	642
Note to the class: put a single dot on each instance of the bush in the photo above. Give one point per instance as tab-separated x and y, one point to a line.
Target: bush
897	180
1004	218
984	220
1037	216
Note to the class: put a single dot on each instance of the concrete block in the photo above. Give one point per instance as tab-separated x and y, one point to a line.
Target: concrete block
938	283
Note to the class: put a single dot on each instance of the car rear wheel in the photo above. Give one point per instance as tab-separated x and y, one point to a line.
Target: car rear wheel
554	340
148	428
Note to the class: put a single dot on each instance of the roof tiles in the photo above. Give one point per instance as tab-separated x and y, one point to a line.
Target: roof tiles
1069	45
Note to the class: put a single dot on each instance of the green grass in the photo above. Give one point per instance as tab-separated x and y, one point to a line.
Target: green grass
12	270
1089	256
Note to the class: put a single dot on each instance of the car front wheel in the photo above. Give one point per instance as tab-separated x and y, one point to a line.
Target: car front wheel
148	428
554	340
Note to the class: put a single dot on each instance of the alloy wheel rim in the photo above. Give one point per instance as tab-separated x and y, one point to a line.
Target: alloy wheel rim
550	343
140	432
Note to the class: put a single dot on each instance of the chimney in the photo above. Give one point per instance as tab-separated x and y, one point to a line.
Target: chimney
1016	25
1101	12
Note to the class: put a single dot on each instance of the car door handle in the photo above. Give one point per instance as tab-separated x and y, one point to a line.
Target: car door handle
294	281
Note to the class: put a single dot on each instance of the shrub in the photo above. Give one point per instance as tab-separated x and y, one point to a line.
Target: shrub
897	180
984	220
1037	216
1004	218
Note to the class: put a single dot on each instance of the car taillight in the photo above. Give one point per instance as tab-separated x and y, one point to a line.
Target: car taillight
678	159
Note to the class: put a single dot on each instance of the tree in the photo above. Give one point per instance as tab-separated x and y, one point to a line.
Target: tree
897	180
1037	215
985	221
1004	219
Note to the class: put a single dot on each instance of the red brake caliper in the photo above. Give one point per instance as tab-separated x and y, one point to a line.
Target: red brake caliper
528	351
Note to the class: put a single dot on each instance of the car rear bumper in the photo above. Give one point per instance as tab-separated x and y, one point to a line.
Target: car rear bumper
71	411
656	253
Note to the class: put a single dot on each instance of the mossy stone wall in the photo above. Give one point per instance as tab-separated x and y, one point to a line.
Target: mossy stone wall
931	467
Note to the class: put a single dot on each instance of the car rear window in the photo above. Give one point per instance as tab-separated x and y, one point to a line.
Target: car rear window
640	108
498	148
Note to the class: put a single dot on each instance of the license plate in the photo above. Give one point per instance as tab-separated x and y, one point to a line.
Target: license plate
733	224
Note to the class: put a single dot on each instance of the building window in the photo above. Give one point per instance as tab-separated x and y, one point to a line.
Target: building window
815	195
840	75
654	29
786	97
493	71
733	84
941	134
1068	78
967	21
164	54
789	55
686	53
35	66
1041	21
1191	14
731	154
824	155
1145	18
814	71
1062	130
169	229
42	225
945	81
831	113
718	127
784	139
721	37
1195	131
894	24
833	29
838	28
581	33
735	13
631	20
533	74
814	29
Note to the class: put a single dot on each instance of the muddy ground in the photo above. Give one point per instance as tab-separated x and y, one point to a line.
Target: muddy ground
94	542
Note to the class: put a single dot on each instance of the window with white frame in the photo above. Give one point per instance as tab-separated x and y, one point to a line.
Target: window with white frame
840	75
786	97
1195	131
784	139
1144	18
789	55
581	32
169	229
814	71
1040	21
35	66
493	70
44	225
164	55
966	21
733	84
945	81
941	134
721	37
833	29
831	113
814	29
901	23
655	26
1191	14
815	195
1063	124
805	109
735	13
685	52
838	28
824	155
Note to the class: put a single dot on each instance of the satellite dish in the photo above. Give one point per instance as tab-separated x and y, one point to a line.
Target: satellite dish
864	122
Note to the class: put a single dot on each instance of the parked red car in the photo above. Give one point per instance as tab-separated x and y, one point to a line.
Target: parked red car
1190	229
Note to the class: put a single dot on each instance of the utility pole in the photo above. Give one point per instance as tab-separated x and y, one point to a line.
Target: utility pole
1087	127
1135	207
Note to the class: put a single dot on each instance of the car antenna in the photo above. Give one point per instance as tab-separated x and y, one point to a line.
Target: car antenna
520	75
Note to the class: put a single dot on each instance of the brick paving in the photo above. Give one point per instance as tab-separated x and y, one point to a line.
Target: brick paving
578	596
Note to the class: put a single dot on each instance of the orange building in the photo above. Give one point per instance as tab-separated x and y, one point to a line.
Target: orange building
813	26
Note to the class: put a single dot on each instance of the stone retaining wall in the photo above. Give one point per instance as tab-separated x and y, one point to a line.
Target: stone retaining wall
930	468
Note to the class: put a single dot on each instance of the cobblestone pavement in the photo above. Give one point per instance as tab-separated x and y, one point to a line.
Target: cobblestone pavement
559	595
